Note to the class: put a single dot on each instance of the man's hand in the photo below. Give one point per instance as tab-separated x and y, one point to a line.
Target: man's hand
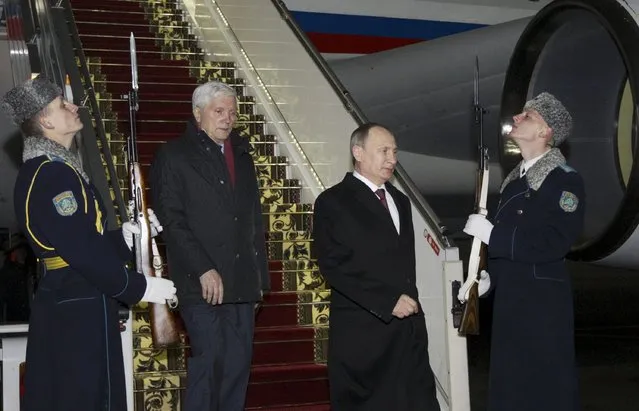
212	287
258	305
405	307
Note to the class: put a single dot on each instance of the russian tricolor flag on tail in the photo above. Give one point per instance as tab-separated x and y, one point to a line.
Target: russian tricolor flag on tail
345	28
355	35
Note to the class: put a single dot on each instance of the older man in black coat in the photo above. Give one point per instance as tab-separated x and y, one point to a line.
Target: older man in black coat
365	244
206	195
540	215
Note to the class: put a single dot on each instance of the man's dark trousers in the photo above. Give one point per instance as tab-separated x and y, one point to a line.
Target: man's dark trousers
221	339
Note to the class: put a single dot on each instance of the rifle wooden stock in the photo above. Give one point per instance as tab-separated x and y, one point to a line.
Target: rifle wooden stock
164	327
477	262
470	315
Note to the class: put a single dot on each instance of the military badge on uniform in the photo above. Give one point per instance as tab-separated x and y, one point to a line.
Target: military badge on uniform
65	203
568	201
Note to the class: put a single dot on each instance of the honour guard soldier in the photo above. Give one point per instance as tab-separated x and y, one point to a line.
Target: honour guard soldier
74	352
539	217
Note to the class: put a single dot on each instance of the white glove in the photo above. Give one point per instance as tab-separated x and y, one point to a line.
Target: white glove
158	290
482	288
129	229
479	227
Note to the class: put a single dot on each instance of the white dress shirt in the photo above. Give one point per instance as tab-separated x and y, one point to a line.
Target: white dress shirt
527	164
392	207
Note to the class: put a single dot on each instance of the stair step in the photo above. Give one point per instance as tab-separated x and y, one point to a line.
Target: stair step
178	109
141	2
110	5
167	116
105	5
145	115
106	17
147	70
291	348
298	407
152	81
167	70
285	385
120	84
277	334
181	109
284	373
174	127
115	28
142	62
183	55
110	42
274	312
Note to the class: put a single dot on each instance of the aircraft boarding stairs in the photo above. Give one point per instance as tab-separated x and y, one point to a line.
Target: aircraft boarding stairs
298	119
288	364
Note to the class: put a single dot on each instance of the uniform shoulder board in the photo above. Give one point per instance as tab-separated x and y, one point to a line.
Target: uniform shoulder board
567	168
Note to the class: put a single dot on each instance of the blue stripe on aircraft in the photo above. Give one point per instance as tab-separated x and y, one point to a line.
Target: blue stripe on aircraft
378	26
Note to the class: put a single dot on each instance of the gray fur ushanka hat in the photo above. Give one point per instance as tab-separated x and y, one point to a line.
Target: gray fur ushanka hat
554	114
24	101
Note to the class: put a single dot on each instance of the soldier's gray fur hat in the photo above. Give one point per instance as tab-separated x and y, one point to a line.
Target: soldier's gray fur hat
554	114
24	101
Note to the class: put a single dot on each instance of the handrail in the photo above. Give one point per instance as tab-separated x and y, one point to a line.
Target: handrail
19	55
351	106
91	97
49	59
56	35
279	121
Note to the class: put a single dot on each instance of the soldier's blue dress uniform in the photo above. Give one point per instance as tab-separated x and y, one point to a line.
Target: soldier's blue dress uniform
74	352
539	218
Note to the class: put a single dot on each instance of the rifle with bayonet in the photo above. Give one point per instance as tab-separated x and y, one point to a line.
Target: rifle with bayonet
148	261
469	292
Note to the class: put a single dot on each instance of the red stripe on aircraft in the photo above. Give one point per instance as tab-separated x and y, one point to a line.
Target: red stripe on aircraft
355	44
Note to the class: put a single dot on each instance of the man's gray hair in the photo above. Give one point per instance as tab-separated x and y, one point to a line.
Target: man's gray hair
206	92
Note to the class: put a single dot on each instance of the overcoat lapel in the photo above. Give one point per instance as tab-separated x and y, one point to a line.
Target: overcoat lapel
369	200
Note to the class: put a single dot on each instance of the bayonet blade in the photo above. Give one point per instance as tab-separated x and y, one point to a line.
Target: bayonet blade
134	63
476	83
